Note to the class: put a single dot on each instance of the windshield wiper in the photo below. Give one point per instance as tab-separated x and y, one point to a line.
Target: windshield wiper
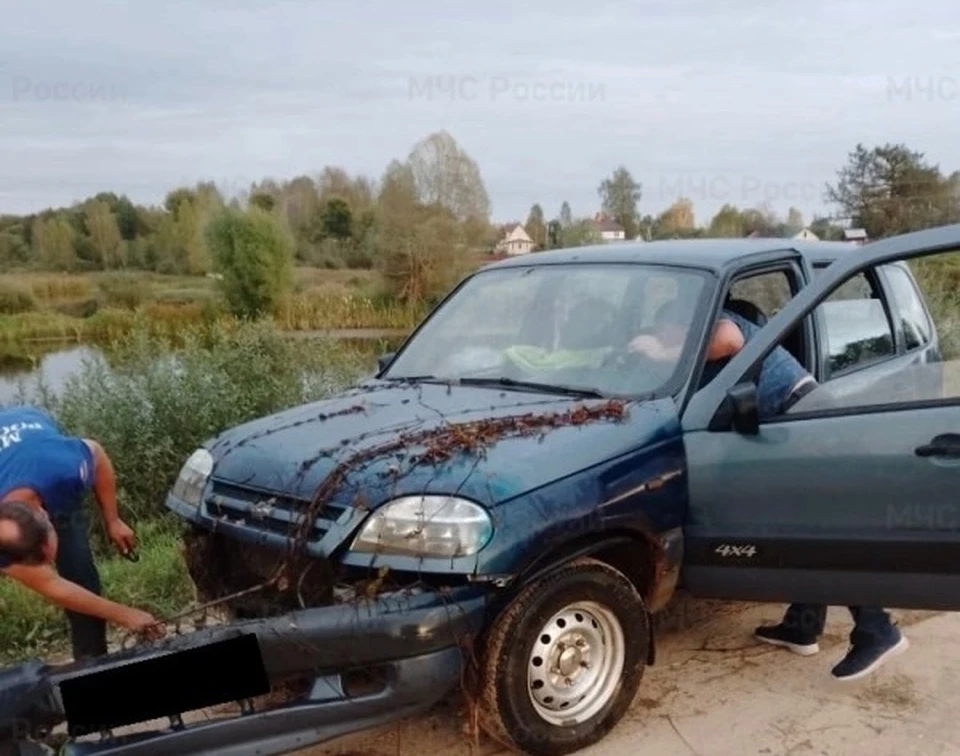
547	388
414	379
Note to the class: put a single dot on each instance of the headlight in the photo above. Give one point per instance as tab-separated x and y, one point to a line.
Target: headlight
427	526
193	477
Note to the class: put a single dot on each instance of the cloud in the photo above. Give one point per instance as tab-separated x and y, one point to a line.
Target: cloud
549	97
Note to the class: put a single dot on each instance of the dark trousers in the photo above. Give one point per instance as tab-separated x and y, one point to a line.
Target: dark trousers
88	635
871	624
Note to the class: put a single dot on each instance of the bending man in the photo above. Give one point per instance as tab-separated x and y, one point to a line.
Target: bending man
44	542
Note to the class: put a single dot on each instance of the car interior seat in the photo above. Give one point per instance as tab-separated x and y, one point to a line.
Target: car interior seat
746	309
590	325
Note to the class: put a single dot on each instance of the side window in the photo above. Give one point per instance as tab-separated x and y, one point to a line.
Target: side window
913	318
856	328
767	291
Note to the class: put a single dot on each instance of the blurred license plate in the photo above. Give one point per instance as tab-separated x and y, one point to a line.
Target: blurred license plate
138	691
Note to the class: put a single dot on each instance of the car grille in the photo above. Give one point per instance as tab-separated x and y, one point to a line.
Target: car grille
268	512
225	570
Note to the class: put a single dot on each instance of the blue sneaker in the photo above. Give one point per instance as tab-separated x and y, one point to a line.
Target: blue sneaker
863	659
779	635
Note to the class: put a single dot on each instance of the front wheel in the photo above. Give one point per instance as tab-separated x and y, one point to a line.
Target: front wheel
564	661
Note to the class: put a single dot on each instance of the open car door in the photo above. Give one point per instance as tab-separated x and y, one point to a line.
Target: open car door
851	499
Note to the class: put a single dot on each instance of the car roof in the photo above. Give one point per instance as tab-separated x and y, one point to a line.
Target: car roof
715	255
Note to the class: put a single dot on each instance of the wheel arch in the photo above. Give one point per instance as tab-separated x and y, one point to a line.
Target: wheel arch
640	555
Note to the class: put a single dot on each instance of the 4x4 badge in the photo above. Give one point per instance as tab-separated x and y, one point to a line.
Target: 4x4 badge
727	550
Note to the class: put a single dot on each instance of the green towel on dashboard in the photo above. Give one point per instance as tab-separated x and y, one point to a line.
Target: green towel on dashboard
538	358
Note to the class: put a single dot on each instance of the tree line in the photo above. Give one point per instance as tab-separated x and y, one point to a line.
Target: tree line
422	210
885	190
424	218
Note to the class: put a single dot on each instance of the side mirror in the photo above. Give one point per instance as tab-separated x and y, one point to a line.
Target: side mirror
745	408
384	360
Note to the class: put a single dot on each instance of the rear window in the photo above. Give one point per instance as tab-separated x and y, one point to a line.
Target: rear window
913	318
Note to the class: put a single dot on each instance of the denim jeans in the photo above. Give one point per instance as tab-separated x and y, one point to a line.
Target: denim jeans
871	624
75	563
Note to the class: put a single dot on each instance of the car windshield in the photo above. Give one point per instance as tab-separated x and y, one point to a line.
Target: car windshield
590	328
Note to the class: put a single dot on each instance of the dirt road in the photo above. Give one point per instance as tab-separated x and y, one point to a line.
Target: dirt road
714	692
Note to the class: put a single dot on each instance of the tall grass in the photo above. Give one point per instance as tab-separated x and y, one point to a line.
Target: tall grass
109	323
16	298
125	290
57	288
304	312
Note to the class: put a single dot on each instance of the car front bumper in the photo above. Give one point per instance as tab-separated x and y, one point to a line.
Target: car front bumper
410	642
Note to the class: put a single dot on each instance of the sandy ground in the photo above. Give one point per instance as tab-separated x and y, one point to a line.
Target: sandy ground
714	691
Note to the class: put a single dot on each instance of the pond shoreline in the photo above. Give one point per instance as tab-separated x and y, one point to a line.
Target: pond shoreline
52	360
348	334
345	334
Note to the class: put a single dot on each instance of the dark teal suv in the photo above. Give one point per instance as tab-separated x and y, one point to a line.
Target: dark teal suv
515	493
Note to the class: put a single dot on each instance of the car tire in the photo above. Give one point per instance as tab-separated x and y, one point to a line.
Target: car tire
564	660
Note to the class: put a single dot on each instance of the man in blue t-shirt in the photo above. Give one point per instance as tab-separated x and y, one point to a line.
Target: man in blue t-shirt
44	543
782	382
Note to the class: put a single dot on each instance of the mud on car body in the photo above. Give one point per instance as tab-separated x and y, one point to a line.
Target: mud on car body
507	502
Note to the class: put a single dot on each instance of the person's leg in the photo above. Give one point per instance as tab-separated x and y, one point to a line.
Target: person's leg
75	563
874	640
799	629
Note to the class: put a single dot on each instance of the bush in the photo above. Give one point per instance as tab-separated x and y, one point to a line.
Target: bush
15	298
162	396
254	255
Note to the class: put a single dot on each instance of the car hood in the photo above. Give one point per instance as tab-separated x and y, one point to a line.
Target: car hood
487	444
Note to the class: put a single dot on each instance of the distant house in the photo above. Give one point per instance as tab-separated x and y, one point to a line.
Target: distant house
608	228
515	241
855	235
788	232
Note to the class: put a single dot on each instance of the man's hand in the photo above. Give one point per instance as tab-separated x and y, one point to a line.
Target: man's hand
121	535
143	623
44	580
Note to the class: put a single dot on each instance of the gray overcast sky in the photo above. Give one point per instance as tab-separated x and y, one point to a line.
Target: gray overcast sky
740	101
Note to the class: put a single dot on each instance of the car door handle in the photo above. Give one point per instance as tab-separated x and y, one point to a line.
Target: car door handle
947	445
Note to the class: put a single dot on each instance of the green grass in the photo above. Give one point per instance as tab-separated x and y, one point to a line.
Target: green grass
103	307
939	281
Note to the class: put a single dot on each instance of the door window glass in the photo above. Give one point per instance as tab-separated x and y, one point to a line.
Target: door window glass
856	328
858	333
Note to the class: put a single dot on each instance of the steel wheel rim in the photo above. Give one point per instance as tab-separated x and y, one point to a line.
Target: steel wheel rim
576	663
